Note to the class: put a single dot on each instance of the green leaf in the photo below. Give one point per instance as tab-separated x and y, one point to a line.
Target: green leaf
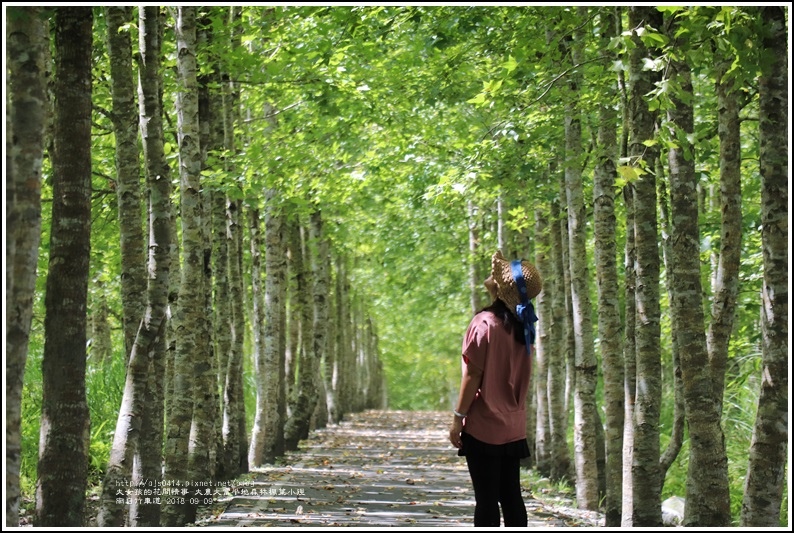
128	27
477	100
510	65
652	64
273	67
652	38
492	86
630	173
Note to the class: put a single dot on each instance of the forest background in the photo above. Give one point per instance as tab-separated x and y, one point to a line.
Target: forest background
337	179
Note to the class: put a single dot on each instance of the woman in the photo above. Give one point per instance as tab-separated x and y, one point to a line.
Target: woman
489	424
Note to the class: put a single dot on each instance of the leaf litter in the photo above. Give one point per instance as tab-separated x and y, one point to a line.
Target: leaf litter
375	469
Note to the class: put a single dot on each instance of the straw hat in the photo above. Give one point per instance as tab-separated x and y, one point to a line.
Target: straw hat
506	289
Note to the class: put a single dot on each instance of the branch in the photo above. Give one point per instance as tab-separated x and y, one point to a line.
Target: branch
273	114
558	77
545	92
266	82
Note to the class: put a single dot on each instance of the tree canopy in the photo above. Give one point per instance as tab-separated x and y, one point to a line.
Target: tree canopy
427	137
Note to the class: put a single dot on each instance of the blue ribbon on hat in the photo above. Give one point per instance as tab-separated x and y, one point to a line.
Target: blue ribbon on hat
525	310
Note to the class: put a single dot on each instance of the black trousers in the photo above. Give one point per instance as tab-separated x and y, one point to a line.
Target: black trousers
496	481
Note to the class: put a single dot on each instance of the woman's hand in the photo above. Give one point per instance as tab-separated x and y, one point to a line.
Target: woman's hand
454	432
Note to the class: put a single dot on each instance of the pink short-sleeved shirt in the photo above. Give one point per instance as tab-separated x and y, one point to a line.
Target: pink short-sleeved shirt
498	413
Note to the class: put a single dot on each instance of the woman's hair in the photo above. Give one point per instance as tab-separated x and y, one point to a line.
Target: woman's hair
509	320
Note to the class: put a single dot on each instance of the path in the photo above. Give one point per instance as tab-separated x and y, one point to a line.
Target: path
379	468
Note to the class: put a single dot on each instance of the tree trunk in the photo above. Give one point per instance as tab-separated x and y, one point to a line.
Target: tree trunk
148	464
28	42
222	318
707	496
190	320
101	341
63	446
128	183
500	223
173	325
585	413
145	345
267	439
176	272
338	343
206	408
676	441
766	472
220	309
234	374
257	319
356	367
162	243
292	319
540	368
568	342
629	359
128	425
321	291
344	356
645	468
609	322
629	347
376	389
206	402
372	360
726	283
474	238
280	273
558	335
330	364
297	427
235	437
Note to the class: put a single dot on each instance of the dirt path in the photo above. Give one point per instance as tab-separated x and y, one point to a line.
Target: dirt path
379	468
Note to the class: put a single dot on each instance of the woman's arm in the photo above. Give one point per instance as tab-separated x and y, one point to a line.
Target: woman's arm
469	385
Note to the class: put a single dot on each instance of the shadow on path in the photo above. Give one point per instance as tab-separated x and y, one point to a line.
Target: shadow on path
378	468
